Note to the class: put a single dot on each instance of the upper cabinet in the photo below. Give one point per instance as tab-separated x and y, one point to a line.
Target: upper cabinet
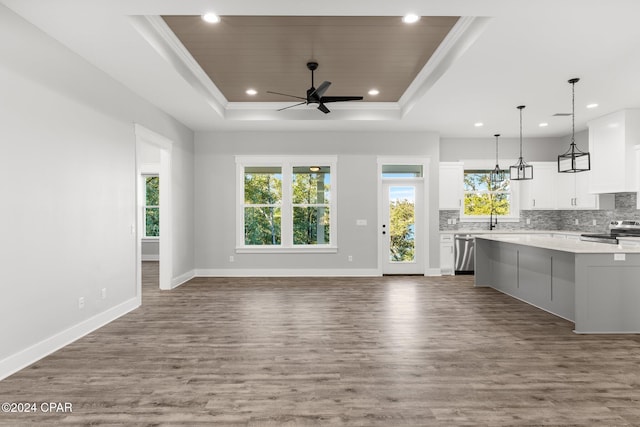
451	181
612	141
573	193
637	148
540	192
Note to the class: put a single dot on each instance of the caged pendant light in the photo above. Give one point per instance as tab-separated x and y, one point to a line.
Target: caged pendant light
574	160
497	174
520	171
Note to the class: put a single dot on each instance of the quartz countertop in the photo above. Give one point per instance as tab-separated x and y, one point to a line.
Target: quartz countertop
493	232
563	245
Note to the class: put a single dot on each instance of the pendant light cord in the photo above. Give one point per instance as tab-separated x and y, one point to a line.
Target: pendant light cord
573	113
520	108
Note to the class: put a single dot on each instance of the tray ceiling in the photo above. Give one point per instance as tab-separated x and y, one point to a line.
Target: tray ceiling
269	53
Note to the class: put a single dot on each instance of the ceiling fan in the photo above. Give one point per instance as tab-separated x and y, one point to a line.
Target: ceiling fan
316	96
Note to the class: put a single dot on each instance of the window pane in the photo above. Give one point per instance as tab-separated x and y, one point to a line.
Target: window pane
152	191
311	187
402	220
401	171
263	186
262	226
476	180
310	225
152	222
481	203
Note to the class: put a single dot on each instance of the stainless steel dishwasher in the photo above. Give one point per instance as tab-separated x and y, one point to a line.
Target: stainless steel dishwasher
464	245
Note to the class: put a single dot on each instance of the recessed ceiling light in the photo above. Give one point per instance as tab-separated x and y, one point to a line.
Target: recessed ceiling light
478	124
211	18
251	92
543	125
410	18
594	105
374	92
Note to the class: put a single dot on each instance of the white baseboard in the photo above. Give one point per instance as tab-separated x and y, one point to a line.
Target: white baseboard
182	279
433	272
26	357
287	272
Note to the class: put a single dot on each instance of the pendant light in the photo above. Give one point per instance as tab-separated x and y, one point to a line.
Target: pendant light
497	174
574	160
520	171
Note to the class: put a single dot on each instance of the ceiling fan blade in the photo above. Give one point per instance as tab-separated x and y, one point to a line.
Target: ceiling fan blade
323	108
286	94
321	89
325	99
291	106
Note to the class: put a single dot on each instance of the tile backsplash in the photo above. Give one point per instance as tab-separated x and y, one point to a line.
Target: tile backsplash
625	208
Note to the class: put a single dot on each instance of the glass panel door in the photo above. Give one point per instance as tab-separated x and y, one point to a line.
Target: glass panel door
401	227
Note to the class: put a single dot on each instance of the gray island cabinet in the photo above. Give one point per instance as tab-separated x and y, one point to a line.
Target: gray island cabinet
594	285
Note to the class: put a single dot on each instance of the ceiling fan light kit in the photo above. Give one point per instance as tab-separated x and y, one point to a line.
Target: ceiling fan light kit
574	160
316	96
521	171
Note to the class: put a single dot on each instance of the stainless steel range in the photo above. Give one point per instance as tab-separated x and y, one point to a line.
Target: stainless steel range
617	228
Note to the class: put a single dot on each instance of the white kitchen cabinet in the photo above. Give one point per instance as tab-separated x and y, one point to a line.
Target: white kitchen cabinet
573	193
540	192
446	254
451	184
637	148
612	140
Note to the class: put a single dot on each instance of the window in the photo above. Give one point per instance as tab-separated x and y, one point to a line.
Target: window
483	198
286	204
262	205
151	206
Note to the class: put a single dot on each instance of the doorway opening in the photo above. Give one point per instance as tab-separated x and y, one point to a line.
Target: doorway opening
153	160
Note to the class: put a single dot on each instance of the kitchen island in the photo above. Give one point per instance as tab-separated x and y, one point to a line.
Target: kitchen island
594	285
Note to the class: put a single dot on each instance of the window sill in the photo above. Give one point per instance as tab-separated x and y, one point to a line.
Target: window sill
151	239
290	250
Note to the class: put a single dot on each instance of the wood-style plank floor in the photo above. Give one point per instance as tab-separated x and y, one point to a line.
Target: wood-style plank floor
389	351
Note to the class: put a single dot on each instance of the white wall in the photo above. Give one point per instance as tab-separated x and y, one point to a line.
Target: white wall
215	213
67	186
533	149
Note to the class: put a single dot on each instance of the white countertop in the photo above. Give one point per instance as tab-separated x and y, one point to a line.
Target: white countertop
493	232
564	245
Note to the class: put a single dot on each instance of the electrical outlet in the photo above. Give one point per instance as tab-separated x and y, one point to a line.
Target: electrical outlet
81	303
595	222
231	258
528	221
350	258
577	222
103	293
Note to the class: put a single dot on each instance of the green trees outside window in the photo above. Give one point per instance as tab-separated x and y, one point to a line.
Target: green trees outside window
402	220
262	206
287	205
311	196
481	196
152	206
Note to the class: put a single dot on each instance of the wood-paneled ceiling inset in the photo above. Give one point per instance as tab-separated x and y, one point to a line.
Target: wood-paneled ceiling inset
269	53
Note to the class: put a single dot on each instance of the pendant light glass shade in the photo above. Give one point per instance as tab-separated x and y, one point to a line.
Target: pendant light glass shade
574	160
520	171
497	174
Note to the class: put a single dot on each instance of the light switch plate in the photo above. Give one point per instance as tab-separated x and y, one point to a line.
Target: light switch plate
619	257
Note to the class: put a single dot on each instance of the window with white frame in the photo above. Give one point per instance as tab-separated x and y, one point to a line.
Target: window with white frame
483	198
151	206
286	203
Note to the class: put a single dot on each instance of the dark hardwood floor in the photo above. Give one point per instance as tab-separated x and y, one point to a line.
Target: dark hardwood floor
388	351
